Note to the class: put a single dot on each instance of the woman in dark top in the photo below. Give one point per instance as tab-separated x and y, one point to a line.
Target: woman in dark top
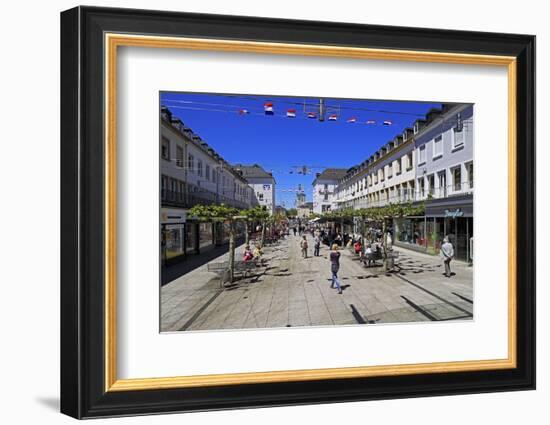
334	267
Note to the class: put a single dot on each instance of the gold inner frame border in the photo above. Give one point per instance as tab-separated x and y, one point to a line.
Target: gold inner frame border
113	40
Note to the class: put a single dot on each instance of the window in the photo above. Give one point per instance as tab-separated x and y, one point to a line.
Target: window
458	138
422	186
326	186
191	163
431	184
326	197
456	179
415	129
165	149
199	167
470	168
397	167
260	196
179	156
381	171
214	176
438	147
422	154
390	171
207	172
410	161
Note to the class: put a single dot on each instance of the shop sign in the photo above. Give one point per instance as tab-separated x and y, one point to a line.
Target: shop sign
171	216
454	213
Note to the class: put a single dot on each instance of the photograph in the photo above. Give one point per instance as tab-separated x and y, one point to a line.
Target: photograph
288	211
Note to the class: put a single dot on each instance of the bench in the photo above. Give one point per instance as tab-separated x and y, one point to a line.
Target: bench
378	255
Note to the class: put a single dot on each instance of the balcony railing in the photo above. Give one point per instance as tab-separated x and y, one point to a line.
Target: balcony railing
195	196
411	195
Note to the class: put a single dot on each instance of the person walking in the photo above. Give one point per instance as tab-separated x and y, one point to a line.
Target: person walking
334	267
447	253
317	245
303	245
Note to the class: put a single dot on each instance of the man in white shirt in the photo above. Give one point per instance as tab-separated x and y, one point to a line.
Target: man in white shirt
447	253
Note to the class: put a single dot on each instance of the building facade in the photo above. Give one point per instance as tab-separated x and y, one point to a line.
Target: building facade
444	182
192	173
304	210
324	187
261	182
430	163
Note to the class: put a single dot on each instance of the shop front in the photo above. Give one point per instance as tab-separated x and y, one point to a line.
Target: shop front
450	217
172	235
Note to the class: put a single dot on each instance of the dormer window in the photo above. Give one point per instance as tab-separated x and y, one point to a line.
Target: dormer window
404	136
416	128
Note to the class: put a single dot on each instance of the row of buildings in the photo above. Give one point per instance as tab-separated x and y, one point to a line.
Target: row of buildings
191	173
430	163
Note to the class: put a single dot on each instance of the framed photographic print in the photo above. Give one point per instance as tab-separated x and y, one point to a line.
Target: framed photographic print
261	212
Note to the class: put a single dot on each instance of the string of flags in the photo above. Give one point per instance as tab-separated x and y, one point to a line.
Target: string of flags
269	110
291	113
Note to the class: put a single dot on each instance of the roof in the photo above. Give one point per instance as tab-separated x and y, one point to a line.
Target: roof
253	171
331	174
306	205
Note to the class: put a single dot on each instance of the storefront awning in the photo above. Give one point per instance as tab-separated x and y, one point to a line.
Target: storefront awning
452	207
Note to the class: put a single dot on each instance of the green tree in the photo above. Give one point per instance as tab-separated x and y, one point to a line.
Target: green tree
386	214
224	213
256	214
292	213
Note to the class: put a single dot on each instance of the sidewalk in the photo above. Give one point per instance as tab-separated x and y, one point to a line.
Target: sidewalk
292	291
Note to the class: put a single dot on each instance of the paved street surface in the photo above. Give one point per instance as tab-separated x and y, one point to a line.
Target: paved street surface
291	291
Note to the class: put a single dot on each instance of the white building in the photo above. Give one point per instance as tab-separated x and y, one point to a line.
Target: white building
324	188
261	182
193	173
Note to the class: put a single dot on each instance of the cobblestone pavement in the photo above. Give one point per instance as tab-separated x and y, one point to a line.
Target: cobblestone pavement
292	291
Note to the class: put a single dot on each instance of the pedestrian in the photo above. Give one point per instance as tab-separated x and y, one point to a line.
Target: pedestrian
247	254
334	267
368	254
447	253
389	241
357	247
303	245
257	254
294	229
317	245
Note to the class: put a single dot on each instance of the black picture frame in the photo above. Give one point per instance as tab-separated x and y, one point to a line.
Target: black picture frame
83	392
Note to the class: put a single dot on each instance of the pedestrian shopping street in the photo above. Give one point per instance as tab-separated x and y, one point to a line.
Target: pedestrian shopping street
291	291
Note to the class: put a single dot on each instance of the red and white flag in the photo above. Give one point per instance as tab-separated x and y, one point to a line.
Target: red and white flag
370	122
352	119
243	111
333	117
387	122
291	113
268	108
311	115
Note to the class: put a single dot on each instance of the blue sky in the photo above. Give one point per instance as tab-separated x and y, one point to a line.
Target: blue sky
280	144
